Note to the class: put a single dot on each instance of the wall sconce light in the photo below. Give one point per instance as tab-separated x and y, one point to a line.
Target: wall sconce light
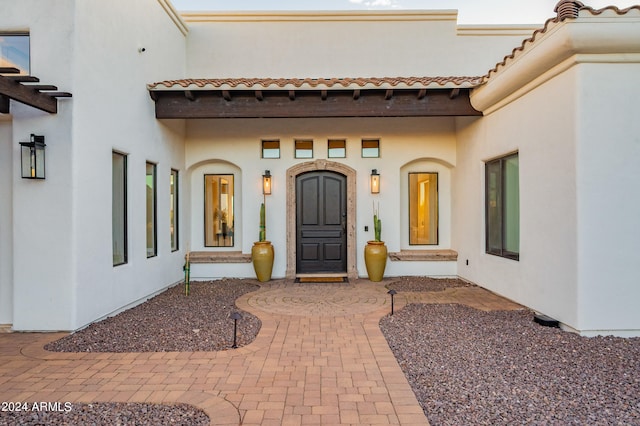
266	182
32	154
375	181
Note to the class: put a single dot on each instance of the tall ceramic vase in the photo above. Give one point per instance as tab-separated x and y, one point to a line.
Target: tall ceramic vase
262	258
375	259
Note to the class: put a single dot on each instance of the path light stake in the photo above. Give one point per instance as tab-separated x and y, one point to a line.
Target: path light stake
392	292
235	316
187	286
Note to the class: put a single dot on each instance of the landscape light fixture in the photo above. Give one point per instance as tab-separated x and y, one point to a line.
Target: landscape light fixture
32	154
266	182
392	292
375	181
235	316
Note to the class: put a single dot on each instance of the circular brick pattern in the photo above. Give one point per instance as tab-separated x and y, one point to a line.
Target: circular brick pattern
319	300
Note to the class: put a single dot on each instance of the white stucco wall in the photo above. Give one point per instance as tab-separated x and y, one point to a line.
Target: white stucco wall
342	44
62	262
42	210
540	128
113	111
608	197
222	146
6	221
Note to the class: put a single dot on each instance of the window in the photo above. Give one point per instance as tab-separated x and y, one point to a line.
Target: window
271	149
502	193
173	210
218	210
119	208
337	148
370	148
423	208
14	51
152	249
304	149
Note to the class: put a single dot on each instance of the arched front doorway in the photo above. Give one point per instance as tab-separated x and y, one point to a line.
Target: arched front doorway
338	180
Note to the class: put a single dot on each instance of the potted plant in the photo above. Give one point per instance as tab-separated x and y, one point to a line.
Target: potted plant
375	252
262	252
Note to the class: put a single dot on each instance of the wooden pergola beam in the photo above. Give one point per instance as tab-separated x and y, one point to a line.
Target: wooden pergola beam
312	103
13	89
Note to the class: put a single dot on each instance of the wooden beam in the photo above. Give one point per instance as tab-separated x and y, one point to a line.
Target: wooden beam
12	89
454	93
422	93
323	95
226	95
356	94
24	78
41	87
388	95
9	70
371	103
189	95
258	94
5	105
292	95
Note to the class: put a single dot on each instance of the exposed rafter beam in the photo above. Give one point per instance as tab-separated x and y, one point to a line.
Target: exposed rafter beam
10	88
24	78
422	93
189	95
292	95
388	95
356	94
9	70
313	103
4	105
226	95
258	94
454	93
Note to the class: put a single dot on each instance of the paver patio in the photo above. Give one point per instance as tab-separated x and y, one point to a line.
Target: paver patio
320	358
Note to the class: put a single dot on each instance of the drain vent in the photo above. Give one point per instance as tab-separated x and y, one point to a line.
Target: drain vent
546	321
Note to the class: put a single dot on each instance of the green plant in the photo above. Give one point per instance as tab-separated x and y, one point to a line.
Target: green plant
377	223
263	230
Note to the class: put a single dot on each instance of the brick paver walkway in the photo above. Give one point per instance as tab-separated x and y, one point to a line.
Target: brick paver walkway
320	358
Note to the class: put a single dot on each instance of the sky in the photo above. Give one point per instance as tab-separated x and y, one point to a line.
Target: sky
470	12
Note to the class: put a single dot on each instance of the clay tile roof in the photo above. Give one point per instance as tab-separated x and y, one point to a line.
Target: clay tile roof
318	83
548	24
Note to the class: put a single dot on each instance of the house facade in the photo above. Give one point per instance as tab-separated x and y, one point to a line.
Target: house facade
517	173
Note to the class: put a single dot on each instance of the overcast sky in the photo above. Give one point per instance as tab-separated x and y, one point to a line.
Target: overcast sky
469	11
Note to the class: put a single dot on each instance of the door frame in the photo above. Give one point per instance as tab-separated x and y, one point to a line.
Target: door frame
321	165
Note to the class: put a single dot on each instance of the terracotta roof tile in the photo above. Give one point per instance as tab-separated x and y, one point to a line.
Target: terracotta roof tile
550	22
318	83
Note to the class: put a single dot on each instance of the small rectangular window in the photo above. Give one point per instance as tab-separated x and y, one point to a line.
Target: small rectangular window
502	192
173	210
304	149
271	149
423	208
119	208
218	214
14	51
370	148
152	249
337	148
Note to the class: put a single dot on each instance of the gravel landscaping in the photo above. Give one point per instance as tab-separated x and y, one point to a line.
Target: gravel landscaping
109	414
469	367
171	322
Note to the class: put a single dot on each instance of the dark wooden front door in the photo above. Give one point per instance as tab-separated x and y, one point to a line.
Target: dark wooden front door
321	220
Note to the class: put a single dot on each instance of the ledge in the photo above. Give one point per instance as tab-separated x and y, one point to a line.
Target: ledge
219	257
424	255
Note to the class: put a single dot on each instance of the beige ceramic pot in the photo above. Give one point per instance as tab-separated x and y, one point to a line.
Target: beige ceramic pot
375	259
262	258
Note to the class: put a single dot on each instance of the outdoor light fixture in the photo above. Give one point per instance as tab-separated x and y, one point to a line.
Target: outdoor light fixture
375	181
235	316
266	182
32	154
392	292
